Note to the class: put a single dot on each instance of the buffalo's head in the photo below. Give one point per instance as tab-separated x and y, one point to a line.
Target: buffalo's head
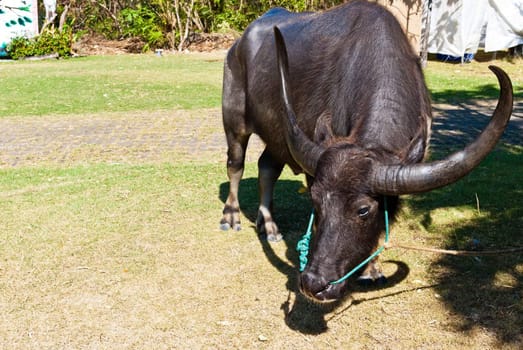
350	183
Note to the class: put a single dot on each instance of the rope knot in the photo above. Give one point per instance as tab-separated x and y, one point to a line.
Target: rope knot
303	244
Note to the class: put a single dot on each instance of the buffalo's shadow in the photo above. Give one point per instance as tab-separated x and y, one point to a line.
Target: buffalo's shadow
291	213
484	292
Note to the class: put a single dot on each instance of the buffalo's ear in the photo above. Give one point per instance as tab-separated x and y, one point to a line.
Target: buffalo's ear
323	130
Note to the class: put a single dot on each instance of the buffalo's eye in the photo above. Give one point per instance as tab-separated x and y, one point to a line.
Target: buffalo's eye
363	211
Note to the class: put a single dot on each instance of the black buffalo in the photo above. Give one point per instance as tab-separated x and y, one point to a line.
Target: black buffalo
339	95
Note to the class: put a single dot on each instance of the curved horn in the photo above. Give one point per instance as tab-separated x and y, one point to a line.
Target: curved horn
305	152
423	177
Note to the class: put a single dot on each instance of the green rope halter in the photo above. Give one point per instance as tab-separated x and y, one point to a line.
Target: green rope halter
303	246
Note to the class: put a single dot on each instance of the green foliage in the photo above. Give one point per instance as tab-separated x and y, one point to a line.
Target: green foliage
236	14
143	23
51	41
20	47
164	23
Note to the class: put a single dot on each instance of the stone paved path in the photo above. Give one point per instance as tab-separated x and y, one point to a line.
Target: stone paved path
185	135
118	137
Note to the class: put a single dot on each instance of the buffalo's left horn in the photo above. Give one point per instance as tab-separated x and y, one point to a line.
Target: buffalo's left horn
423	177
305	152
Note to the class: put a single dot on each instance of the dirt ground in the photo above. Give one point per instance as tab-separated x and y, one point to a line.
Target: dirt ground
97	45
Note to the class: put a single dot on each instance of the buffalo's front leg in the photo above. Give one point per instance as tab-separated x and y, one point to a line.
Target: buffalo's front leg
235	166
372	274
268	172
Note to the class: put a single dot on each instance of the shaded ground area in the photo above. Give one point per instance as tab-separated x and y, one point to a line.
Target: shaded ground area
189	135
454	126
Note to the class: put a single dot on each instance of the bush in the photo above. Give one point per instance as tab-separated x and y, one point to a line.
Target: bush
20	47
143	23
51	41
168	23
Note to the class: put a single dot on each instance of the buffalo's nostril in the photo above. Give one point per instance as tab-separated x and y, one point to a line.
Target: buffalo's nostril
311	283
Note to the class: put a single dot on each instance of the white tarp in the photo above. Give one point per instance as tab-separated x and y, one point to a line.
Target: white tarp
18	18
457	26
505	24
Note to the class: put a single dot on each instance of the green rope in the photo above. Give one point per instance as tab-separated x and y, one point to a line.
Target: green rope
303	246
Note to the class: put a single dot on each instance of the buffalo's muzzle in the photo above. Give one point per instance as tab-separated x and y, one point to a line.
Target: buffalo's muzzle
318	288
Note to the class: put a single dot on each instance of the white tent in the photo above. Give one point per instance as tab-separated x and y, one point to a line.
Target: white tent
459	27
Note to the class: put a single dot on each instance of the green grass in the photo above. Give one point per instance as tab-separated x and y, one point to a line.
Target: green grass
102	199
147	82
109	84
456	83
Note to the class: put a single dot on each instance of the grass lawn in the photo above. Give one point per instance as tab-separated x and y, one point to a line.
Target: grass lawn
105	254
455	83
111	83
146	82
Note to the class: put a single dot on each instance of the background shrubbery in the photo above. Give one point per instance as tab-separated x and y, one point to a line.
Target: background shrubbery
50	41
166	24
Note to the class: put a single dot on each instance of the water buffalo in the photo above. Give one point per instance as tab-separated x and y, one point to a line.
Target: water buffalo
338	95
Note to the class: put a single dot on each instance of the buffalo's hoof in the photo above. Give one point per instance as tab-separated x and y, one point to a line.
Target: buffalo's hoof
268	230
225	226
274	237
270	238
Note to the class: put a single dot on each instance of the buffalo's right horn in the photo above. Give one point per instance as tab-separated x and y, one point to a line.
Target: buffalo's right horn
305	152
423	177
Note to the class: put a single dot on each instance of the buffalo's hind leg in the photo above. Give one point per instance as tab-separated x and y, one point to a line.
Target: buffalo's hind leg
235	165
268	172
237	134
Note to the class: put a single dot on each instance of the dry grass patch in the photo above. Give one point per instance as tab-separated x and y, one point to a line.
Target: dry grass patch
123	256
